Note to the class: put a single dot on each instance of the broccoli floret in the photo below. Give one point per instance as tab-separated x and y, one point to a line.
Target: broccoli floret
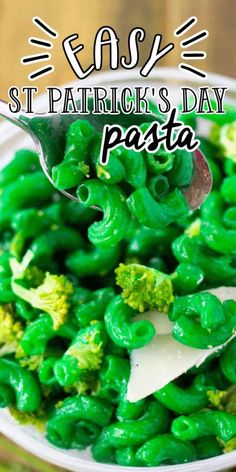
230	445
23	270
145	288
19	268
88	384
11	332
215	398
31	362
87	347
52	296
84	357
102	172
224	400
194	229
225	138
38	420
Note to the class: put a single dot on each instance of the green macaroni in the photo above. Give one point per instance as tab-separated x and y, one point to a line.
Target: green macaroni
165	448
73	279
220	423
157	214
95	260
183	400
95	306
130	433
190	332
120	328
227	362
22	383
77	422
204	306
112	228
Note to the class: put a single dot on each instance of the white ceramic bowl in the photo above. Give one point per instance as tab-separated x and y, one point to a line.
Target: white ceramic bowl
11	139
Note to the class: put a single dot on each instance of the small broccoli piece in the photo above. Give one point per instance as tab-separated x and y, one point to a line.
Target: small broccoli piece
145	288
38	419
11	332
215	398
31	362
225	138
52	296
83	357
194	229
229	402
230	445
88	384
84	168
224	400
87	347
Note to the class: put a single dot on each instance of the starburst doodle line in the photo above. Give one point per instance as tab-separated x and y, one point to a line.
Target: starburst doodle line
41	43
191	55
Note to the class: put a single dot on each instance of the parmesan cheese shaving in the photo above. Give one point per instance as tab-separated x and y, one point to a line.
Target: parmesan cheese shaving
165	359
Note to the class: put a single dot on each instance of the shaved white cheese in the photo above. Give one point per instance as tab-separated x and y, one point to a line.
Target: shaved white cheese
165	359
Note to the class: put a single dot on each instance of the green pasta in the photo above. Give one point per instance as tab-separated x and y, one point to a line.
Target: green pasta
57	239
130	433
74	168
112	228
183	400
217	269
166	449
46	371
207	446
220	423
182	170
205	306
190	332
113	377
28	189
187	278
6	396
24	161
127	456
95	306
158	186
74	280
94	260
157	214
227	362
120	328
160	162
76	423
215	235
40	331
24	385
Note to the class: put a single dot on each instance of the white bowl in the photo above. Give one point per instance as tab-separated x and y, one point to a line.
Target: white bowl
11	139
